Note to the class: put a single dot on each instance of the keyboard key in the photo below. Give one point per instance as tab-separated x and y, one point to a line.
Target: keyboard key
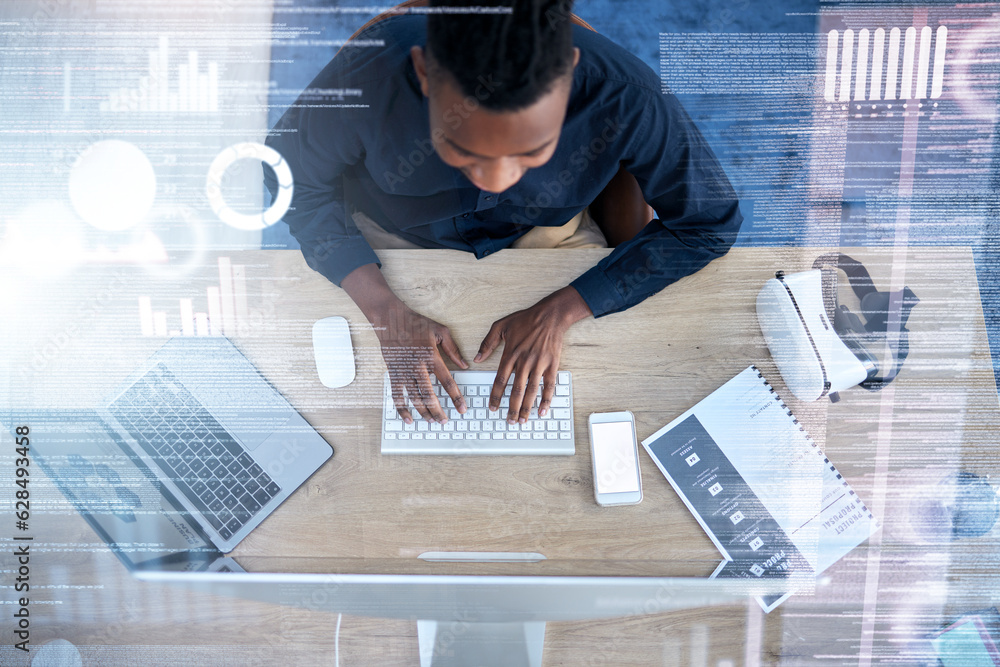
250	503
563	377
394	425
562	390
560	402
561	413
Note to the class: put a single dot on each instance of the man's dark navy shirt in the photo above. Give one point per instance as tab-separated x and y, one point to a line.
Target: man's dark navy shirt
359	139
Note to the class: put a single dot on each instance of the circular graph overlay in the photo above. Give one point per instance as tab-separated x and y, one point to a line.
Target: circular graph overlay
216	174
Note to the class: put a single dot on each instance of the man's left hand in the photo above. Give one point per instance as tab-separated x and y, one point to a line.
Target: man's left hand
532	346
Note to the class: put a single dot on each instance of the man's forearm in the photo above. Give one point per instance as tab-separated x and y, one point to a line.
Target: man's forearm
567	305
368	289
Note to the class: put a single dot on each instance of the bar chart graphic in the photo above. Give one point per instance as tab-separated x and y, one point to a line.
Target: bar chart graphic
225	314
874	67
189	88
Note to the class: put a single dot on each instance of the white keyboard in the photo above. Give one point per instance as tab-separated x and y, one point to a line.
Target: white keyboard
480	431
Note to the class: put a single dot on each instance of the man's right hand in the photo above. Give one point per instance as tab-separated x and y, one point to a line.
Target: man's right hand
411	346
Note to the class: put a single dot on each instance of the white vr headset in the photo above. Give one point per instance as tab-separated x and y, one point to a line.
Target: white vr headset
820	348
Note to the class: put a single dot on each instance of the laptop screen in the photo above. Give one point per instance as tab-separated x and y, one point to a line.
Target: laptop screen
116	493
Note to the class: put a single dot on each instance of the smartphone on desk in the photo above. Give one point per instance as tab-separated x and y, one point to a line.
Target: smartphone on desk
614	453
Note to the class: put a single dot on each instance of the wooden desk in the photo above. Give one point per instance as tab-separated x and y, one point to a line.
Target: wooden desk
363	512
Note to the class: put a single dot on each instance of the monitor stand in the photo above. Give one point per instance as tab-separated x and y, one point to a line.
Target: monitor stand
459	644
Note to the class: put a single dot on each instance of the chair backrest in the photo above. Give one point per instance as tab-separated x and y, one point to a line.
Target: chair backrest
403	6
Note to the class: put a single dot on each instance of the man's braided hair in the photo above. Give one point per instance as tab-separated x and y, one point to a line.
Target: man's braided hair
521	54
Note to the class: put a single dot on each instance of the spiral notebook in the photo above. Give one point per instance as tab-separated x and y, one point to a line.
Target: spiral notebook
767	496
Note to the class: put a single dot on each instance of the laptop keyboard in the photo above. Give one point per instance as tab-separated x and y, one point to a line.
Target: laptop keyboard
213	471
480	431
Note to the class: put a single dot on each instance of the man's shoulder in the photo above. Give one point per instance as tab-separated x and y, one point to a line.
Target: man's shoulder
379	52
604	62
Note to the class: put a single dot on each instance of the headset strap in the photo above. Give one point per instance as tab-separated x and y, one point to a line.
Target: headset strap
878	308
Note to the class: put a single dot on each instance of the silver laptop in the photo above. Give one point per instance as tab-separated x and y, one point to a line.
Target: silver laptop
194	444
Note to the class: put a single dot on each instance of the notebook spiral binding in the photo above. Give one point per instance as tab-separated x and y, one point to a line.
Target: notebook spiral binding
826	460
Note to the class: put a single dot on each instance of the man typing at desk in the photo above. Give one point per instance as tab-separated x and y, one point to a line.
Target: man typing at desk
485	130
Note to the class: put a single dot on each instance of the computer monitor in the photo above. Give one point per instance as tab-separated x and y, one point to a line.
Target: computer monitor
478	620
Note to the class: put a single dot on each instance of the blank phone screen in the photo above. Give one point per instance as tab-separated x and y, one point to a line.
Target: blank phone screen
614	458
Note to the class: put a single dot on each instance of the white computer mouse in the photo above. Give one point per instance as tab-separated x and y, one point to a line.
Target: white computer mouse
333	351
